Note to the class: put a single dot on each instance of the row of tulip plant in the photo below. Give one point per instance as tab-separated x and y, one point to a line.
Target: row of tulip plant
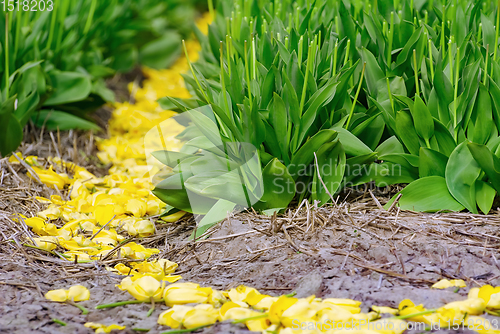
56	54
335	94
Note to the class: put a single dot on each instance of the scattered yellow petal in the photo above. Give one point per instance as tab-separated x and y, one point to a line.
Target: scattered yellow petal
444	284
59	295
185	293
173	217
76	293
143	289
100	328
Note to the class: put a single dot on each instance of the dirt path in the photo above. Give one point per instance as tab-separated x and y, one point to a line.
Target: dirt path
356	251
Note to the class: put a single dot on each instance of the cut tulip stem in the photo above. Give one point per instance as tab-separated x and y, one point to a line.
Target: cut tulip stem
260	316
390	94
152	309
497	314
356	97
408	316
6	47
291	294
193	72
125	302
57	321
141	329
83	309
416	72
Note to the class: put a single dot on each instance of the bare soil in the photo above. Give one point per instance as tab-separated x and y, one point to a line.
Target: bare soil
356	250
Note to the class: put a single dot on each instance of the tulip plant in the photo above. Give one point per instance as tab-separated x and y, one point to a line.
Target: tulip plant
388	92
54	60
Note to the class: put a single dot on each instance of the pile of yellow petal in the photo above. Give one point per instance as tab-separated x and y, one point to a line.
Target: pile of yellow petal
120	201
101	213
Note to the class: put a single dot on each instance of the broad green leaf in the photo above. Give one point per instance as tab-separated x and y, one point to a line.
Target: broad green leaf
22	69
352	145
285	55
462	172
373	72
267	89
279	119
170	158
406	53
489	163
373	132
495	97
485	195
101	71
127	59
161	53
406	131
291	100
11	136
207	126
424	124
99	88
357	167
431	163
218	185
331	166
319	99
272	145
393	173
428	194
348	25
68	87
26	108
217	213
53	120
444	138
484	121
177	104
305	155
172	191
444	91
397	86
279	187
390	146
407	160
488	32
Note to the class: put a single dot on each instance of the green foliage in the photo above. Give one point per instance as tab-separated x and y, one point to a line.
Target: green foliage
396	92
60	58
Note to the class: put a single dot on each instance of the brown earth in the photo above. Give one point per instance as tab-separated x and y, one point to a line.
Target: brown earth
356	250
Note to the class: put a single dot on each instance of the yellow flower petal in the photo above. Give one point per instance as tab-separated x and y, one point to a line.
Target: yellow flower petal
143	289
201	315
174	316
59	295
78	293
444	284
278	307
75	293
136	207
173	217
472	306
174	296
46	243
100	328
104	213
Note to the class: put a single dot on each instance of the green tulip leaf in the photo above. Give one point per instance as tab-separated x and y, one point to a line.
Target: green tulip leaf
428	194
